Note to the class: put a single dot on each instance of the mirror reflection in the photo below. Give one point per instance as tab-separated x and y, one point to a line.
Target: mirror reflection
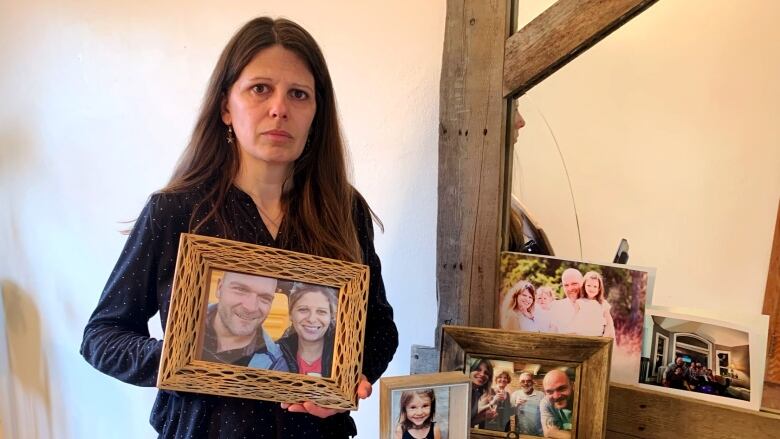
666	137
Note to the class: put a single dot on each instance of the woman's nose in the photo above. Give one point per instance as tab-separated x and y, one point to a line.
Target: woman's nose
278	108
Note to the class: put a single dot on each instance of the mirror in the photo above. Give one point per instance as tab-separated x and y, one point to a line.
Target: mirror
665	134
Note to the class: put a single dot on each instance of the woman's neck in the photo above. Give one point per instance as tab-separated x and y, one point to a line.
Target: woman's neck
262	179
264	183
310	351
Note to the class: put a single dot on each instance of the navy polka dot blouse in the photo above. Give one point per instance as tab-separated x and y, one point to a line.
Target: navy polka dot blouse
117	342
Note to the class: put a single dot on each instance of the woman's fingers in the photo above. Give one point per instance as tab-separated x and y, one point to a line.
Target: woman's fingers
364	388
310	408
363	392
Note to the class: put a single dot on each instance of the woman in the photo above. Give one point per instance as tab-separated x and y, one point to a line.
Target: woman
265	165
307	344
518	309
481	377
594	315
499	401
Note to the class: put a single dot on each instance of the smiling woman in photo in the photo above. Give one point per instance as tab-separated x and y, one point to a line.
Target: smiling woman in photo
481	375
307	344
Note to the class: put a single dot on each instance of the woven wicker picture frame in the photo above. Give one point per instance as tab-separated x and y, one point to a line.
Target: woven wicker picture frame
180	368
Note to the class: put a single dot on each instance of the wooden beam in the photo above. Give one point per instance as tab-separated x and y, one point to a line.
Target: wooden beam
643	413
558	35
472	116
771	398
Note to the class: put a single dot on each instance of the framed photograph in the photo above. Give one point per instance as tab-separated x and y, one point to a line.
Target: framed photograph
704	357
256	322
558	296
434	405
527	384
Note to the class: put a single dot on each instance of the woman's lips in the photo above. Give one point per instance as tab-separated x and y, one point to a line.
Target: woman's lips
312	329
278	134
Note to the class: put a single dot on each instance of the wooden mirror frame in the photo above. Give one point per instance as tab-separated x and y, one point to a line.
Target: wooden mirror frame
477	85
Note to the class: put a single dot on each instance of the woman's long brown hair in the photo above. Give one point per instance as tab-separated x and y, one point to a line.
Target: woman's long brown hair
319	204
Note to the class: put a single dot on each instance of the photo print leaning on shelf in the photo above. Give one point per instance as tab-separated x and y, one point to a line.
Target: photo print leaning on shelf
551	295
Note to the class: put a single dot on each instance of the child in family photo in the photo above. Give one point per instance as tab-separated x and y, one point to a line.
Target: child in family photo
418	411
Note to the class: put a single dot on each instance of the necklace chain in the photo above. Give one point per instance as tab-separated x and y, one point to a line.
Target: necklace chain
274	221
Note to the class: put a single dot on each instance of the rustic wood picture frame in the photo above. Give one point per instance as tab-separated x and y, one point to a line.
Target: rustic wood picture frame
458	407
181	370
592	355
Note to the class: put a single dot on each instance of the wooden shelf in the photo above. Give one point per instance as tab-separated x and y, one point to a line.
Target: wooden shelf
641	413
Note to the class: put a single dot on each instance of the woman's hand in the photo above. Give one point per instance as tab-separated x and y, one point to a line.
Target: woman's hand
363	392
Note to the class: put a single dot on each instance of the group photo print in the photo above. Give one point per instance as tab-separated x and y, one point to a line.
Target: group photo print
701	357
550	295
523	396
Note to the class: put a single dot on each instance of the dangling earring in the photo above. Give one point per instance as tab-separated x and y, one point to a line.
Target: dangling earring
230	134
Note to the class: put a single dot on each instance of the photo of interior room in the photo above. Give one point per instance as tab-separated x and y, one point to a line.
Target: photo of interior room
698	357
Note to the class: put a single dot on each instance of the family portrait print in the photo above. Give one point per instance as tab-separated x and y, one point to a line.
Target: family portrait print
703	358
550	295
523	397
268	323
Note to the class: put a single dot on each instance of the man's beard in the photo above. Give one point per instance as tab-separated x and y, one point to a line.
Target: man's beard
562	399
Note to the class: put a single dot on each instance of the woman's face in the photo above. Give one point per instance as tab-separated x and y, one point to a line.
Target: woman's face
525	299
311	316
592	288
271	107
502	381
418	410
480	375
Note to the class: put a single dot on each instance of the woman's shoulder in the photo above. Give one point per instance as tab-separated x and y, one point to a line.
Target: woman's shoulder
173	202
360	208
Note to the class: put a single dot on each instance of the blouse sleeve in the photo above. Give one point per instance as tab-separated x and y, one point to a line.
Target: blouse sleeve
381	338
116	338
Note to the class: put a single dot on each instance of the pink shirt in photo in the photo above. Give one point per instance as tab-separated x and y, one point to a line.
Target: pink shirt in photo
305	368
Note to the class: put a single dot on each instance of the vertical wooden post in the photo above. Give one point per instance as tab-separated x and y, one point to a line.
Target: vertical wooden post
771	395
471	160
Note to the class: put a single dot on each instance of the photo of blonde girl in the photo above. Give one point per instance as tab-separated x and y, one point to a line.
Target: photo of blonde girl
418	411
600	322
543	311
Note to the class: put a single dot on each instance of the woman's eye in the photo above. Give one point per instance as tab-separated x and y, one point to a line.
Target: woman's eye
299	94
260	88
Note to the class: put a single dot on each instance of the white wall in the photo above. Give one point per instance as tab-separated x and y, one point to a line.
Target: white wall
669	130
98	102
